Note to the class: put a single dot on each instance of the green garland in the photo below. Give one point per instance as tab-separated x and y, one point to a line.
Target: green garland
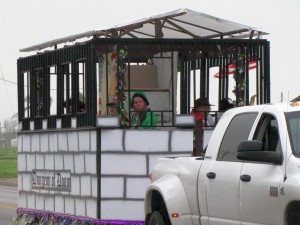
239	77
120	76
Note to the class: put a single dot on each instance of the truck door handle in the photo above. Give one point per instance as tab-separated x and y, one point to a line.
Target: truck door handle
211	175
245	178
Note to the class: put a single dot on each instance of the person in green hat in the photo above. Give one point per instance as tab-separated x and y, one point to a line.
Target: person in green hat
142	115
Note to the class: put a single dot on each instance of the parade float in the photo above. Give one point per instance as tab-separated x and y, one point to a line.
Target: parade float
88	167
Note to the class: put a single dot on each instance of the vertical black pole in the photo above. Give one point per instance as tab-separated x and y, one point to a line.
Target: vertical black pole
247	61
98	168
20	81
91	87
267	84
75	87
60	89
261	75
203	77
183	85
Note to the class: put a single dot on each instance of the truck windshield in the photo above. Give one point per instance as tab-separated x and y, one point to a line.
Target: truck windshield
293	122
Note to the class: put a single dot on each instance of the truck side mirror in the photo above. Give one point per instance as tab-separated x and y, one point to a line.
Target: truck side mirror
253	151
253	145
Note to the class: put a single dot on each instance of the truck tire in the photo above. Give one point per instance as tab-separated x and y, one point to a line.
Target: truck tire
156	219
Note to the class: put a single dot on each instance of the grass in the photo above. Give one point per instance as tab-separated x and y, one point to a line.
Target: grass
8	162
8	169
8	153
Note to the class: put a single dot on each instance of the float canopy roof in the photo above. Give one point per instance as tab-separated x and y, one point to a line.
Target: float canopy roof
180	24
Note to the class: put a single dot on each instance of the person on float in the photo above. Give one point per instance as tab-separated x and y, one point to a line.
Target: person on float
201	110
142	115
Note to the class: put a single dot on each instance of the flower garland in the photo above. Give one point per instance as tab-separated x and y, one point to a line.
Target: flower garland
39	217
239	77
120	76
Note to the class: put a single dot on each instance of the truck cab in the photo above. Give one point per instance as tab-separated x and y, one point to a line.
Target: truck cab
247	176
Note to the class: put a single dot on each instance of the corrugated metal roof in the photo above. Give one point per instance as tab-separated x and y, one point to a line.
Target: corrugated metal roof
180	23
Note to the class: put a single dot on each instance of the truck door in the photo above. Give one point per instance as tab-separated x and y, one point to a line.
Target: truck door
259	194
222	176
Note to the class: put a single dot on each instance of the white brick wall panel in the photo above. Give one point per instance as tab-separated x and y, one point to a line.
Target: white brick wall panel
30	162
40	202
69	162
40	161
122	210
85	186
70	206
44	142
130	164
146	141
31	201
73	141
75	185
80	207
49	162
49	203
22	162
27	143
79	163
90	163
93	141
91	206
20	143
84	141
35	143
53	142
59	204
111	140
58	162
94	187
135	187
182	141
20	182
27	182
63	142
112	187
22	203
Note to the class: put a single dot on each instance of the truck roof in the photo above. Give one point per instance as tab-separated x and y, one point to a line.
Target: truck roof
282	106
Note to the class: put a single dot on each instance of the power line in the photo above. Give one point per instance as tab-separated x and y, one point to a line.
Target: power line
6	90
8	81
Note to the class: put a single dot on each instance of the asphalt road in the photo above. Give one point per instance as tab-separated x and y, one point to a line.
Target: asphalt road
8	204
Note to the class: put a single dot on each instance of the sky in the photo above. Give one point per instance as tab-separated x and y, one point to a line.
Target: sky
31	22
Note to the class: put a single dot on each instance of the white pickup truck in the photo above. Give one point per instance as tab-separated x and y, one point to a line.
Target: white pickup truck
250	173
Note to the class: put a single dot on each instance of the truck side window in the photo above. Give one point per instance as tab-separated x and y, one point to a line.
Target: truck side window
267	132
293	122
238	130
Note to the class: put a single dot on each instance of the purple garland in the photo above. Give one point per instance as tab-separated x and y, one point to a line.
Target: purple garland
40	217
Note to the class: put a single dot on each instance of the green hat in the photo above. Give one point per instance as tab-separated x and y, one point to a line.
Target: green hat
141	95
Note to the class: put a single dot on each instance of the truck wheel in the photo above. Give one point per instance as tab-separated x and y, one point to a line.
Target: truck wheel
156	219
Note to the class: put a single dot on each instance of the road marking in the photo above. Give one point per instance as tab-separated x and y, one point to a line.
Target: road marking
8	206
2	190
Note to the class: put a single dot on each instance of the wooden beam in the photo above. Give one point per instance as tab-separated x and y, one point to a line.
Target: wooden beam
182	29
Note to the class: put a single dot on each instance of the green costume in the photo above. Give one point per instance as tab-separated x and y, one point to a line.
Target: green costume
143	119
